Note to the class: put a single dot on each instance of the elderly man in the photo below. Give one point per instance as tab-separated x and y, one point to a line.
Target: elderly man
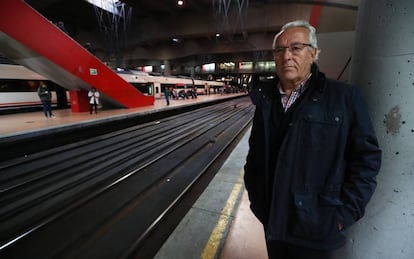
313	155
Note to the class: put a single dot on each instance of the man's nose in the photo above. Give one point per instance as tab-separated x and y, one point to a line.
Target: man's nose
287	54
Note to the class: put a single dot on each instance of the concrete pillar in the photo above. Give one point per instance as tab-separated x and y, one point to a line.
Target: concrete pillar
192	72
383	65
167	68
157	68
120	61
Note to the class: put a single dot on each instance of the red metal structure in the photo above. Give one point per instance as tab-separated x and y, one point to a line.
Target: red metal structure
29	39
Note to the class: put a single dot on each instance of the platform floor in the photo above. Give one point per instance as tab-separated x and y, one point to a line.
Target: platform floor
220	224
33	121
245	239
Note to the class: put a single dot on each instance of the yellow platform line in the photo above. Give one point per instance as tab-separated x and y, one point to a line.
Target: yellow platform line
212	246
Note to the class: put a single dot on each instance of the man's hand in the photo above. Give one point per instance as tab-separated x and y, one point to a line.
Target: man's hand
340	226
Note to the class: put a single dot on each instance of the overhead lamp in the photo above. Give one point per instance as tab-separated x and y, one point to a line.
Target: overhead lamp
107	5
180	2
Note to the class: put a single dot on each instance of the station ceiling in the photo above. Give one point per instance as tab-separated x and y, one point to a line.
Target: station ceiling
151	31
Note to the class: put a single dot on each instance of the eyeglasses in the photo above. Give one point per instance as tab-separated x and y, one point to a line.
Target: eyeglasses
294	48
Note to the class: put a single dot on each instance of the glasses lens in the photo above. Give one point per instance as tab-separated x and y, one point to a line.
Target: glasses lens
294	48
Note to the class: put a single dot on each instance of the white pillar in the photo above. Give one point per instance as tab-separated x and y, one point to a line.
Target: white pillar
383	65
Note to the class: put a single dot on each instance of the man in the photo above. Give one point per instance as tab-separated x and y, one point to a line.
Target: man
167	94
45	96
61	25
313	158
88	47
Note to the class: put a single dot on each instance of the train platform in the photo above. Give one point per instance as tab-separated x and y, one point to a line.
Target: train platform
219	225
23	123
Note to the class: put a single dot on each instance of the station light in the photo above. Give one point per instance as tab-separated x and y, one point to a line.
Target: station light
147	69
107	5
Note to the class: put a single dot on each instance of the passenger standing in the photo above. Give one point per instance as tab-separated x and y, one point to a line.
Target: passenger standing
207	87
45	96
88	47
93	95
61	26
314	156
167	94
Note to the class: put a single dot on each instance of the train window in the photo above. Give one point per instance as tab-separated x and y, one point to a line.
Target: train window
145	88
18	85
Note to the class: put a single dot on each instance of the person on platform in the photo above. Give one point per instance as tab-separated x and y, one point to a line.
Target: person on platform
167	94
45	96
194	93
207	88
313	154
93	95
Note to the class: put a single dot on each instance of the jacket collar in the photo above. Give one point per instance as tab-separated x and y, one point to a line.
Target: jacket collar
318	78
262	90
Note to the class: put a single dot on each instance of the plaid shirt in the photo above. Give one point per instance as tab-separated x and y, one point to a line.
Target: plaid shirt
287	101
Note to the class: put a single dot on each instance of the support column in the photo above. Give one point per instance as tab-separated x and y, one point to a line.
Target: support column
192	72
79	101
383	65
157	69
167	68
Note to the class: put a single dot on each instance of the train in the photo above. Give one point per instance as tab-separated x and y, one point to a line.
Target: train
18	86
155	84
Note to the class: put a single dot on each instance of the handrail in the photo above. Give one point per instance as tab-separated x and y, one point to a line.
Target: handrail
343	70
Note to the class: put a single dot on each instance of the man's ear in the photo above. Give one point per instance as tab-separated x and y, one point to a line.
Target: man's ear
313	53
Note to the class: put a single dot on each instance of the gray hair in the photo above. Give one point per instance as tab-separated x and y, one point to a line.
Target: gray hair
304	24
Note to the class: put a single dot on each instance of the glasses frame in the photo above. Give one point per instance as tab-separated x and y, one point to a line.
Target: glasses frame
294	48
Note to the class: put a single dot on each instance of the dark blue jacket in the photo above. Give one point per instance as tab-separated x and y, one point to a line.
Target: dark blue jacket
321	172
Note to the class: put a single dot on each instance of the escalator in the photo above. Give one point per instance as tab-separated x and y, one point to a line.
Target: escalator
29	39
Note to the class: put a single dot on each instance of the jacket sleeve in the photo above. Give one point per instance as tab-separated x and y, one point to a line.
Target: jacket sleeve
363	163
254	178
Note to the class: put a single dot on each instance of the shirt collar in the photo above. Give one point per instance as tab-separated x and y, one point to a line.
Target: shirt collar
301	87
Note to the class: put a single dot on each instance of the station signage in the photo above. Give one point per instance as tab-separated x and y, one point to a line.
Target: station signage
93	71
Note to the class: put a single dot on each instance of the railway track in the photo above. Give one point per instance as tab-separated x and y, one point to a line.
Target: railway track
103	196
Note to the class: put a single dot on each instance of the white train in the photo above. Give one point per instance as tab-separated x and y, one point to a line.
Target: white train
18	85
147	83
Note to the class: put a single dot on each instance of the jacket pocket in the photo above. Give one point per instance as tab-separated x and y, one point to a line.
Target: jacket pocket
322	129
325	118
314	216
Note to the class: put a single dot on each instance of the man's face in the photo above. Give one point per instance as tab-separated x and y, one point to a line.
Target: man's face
293	64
